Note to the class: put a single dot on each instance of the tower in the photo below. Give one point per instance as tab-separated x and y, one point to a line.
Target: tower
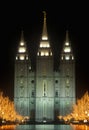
67	82
22	66
44	78
43	94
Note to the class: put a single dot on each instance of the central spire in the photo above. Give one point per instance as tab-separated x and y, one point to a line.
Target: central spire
44	46
44	33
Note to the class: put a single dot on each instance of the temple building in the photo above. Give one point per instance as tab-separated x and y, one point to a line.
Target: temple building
44	93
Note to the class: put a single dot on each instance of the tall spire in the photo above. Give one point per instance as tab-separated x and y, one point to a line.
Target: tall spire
44	46
67	36
67	49
22	53
22	36
44	33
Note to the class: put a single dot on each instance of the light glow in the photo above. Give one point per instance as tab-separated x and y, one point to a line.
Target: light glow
44	45
67	49
22	43
44	38
80	110
16	58
72	57
67	43
7	110
21	57
22	49
67	57
44	53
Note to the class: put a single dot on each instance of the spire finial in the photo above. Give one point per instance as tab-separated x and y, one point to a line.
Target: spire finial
44	34
22	35
44	14
67	36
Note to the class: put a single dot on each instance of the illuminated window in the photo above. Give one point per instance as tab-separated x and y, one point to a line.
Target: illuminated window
44	38
22	43
67	57
46	53
22	49
21	81
26	57
38	53
62	57
67	43
44	45
67	49
67	81
21	57
51	53
42	53
16	58
72	58
29	67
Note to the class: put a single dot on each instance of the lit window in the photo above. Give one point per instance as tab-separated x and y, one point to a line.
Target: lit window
67	57
16	58
62	57
22	43
72	58
67	49
46	53
67	43
67	81
22	49
38	53
51	53
44	45
26	57
42	53
44	38
29	67
21	57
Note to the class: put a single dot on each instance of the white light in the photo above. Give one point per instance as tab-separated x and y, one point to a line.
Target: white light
67	57
42	53
46	53
21	57
44	45
67	49
72	58
44	38
16	58
29	67
26	57
67	43
38	53
22	49
62	57
22	43
51	54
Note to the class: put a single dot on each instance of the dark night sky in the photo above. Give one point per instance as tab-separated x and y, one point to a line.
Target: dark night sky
60	16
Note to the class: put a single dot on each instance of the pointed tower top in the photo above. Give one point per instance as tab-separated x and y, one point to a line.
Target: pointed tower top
22	52
22	36
44	46
44	33
67	53
67	36
44	14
